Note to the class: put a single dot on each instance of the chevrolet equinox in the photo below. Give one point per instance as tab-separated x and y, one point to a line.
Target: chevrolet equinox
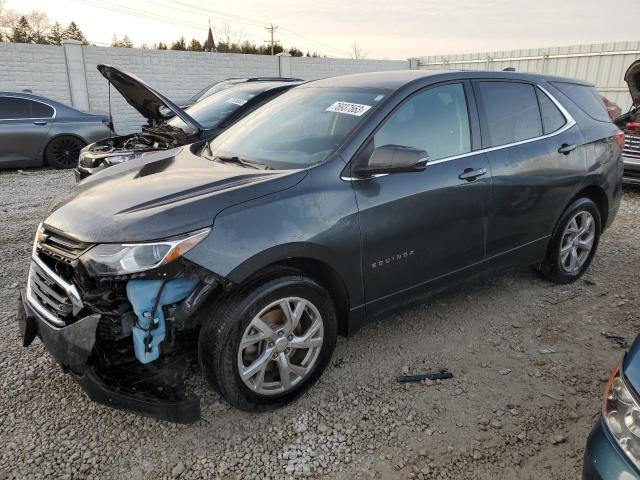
337	201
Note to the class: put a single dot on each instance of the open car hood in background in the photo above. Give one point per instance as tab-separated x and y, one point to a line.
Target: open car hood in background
632	77
143	98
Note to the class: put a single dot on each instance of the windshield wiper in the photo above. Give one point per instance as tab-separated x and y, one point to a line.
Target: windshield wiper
243	161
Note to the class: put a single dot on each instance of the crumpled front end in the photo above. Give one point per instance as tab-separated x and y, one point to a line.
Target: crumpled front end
127	339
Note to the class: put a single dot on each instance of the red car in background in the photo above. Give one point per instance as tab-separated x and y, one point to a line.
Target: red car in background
629	123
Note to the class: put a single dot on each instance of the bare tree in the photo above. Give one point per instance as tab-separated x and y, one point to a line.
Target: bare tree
357	52
228	36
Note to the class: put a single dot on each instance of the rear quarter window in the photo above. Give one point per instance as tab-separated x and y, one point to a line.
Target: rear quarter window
586	98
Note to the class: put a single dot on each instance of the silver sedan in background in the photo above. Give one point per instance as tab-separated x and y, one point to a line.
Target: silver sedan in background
36	131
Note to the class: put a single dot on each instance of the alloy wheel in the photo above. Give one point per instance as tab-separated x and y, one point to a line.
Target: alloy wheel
280	346
577	241
65	151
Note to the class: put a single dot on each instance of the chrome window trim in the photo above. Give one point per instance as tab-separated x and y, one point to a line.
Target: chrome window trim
55	111
569	123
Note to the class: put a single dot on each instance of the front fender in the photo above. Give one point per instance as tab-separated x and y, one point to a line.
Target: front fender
316	219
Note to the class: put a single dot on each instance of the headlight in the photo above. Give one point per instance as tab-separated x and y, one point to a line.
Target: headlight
621	414
126	258
116	159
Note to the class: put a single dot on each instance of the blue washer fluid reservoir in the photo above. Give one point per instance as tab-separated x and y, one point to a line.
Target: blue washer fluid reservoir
149	332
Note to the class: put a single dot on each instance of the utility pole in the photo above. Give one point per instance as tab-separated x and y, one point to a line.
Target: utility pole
272	28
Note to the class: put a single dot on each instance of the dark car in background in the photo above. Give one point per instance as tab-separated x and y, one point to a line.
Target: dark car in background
613	447
338	201
230	82
169	125
36	131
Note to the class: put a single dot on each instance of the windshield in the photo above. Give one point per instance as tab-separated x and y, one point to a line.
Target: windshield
214	109
298	129
211	89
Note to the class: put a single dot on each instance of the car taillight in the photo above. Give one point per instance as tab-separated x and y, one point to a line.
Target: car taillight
633	126
619	137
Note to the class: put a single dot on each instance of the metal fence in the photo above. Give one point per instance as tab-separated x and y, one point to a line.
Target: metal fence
602	64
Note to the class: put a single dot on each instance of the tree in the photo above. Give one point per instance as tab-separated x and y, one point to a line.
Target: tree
21	32
195	45
357	52
40	26
74	33
124	43
160	46
179	45
56	35
295	52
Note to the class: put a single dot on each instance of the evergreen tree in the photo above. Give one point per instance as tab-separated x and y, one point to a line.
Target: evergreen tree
126	42
56	35
161	46
21	32
195	45
74	33
179	45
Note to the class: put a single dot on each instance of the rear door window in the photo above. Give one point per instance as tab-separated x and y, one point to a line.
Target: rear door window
552	117
13	108
435	120
510	112
585	97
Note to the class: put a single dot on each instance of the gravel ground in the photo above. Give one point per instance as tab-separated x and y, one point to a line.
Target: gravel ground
510	412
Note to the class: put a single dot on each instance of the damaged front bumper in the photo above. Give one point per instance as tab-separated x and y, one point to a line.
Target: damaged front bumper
71	346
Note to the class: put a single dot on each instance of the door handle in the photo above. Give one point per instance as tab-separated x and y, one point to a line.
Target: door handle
39	122
566	149
471	174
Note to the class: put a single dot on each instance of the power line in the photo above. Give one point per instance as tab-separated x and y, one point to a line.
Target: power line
272	28
119	8
249	21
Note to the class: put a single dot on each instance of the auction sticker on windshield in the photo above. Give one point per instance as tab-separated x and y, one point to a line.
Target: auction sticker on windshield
356	109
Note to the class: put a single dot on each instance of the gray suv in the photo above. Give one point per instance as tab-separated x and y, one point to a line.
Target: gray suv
338	201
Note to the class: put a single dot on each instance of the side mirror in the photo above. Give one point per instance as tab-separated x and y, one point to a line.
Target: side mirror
393	159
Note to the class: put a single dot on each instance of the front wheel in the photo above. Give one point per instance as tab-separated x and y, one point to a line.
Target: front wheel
574	242
268	342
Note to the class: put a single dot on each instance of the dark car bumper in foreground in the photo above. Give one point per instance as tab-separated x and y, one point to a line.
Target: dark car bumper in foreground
71	347
603	459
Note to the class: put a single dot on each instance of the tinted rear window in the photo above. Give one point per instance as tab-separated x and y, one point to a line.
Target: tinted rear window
511	112
17	108
585	97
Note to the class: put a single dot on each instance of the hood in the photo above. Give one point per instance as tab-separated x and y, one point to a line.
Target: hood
158	196
632	77
149	102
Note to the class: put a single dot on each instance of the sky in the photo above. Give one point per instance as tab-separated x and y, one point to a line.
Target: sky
385	29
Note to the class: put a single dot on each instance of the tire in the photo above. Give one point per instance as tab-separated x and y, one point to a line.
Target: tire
63	152
219	345
558	265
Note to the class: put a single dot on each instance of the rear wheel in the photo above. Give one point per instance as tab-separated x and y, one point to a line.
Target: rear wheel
269	342
63	152
573	243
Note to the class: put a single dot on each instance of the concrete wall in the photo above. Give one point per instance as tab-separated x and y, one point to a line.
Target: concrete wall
41	68
602	64
69	74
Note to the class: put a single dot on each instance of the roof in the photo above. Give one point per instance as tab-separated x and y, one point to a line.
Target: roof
393	80
259	87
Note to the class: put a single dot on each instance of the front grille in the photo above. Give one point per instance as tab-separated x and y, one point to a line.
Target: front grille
49	294
631	146
61	247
